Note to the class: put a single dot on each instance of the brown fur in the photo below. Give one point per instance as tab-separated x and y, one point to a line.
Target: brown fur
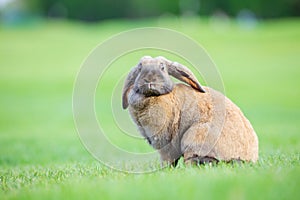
188	123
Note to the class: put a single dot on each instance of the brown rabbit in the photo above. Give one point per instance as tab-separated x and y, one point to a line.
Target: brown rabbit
198	123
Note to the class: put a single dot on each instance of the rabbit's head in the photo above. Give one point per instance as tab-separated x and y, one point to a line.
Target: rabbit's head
151	78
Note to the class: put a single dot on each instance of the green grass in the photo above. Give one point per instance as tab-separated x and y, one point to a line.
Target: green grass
41	155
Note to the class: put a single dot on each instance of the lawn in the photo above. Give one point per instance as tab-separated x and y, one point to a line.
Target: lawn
41	155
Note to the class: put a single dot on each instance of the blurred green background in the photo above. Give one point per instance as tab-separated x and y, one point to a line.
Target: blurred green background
91	10
255	45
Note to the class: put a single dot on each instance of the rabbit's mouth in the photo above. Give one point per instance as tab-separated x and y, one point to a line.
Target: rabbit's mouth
151	92
152	89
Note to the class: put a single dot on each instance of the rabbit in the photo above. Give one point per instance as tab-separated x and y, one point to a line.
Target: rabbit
189	120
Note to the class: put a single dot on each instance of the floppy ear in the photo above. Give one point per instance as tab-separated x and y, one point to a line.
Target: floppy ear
128	84
182	73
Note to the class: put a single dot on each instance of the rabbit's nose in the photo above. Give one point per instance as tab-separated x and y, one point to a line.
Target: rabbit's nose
149	79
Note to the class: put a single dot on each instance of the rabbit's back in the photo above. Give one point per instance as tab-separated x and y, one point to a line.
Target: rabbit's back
220	129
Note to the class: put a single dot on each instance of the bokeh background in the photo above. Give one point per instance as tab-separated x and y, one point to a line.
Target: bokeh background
255	45
92	11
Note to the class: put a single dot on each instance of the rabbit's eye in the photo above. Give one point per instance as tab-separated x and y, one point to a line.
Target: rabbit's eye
140	66
162	67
